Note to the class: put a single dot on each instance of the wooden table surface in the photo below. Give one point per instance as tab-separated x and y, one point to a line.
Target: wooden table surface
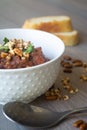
13	13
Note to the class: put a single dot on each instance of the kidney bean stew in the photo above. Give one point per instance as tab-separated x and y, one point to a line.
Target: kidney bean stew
17	53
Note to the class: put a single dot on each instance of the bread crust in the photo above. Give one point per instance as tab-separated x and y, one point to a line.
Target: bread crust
61	26
50	24
69	39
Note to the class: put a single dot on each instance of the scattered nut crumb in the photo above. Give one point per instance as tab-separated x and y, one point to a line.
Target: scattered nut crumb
65	97
82	125
78	123
83	77
68	64
66	57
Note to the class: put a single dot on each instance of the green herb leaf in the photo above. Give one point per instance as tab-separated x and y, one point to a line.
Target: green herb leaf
4	48
29	49
5	40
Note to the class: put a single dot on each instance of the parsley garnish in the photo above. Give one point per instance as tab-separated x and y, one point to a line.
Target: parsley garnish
4	48
5	40
29	49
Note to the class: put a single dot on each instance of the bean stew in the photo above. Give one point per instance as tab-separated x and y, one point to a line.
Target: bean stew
17	53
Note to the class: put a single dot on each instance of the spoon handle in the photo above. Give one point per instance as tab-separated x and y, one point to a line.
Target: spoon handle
69	113
77	110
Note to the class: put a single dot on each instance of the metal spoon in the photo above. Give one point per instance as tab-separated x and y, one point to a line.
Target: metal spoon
34	116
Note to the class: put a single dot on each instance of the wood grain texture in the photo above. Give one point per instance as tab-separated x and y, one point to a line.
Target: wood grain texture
13	13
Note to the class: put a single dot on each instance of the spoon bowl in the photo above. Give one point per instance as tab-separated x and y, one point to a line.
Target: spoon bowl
33	116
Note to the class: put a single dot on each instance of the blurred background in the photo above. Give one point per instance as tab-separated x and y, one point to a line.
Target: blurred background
13	13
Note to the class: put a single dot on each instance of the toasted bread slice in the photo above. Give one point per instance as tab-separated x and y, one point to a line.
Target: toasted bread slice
69	38
50	24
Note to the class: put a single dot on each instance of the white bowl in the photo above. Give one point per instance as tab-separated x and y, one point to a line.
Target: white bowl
26	84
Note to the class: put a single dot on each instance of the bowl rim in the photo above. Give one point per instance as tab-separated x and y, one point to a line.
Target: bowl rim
36	66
